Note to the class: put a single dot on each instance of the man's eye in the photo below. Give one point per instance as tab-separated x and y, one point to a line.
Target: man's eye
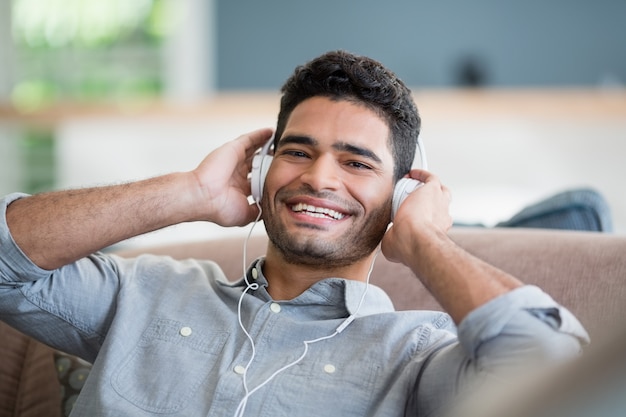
359	165
294	153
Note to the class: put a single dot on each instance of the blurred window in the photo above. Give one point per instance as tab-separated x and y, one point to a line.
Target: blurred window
88	50
83	51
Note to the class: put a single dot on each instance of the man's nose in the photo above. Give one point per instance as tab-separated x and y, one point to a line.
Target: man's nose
322	174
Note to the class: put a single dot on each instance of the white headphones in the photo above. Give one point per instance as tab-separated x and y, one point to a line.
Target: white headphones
261	163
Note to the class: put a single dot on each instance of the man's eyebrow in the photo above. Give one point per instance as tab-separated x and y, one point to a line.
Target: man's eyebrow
357	150
297	139
340	146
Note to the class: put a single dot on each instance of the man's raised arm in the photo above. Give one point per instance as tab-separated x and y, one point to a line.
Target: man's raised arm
459	281
57	228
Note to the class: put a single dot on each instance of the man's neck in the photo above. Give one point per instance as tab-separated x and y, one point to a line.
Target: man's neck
288	280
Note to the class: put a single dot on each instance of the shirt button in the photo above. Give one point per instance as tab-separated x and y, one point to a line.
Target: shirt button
255	273
329	369
239	369
275	307
185	331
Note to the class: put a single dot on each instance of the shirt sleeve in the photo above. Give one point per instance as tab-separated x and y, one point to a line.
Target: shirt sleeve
15	266
69	308
528	314
515	332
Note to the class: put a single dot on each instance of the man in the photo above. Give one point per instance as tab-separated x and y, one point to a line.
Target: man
302	333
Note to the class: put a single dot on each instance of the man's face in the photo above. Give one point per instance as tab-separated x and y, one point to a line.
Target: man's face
327	196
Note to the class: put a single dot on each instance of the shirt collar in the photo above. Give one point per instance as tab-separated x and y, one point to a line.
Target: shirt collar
338	292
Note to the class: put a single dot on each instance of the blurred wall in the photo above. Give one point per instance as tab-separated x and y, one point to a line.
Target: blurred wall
6	68
427	43
540	146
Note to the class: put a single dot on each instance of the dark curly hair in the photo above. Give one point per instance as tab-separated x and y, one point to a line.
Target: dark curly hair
340	75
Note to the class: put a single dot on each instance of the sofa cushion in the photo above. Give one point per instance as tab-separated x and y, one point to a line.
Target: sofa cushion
28	378
72	373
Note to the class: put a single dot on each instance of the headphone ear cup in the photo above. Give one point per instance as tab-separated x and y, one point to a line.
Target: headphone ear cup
405	186
402	189
260	166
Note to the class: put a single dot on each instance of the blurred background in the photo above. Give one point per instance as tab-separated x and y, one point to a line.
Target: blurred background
519	100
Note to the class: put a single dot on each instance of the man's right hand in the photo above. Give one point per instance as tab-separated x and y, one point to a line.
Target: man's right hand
223	180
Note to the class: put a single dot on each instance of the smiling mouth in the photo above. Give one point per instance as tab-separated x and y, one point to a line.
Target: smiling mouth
319	212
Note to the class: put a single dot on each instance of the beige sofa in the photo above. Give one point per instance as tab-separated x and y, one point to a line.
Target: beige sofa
585	271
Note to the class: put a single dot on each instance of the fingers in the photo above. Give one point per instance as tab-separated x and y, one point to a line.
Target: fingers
446	192
428	177
423	175
447	197
252	141
440	195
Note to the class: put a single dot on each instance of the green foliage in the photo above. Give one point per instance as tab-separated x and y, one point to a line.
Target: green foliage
86	23
88	50
37	154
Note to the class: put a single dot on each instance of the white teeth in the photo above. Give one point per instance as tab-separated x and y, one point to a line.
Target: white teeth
317	211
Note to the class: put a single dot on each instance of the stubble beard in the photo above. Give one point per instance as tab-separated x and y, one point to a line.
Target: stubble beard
310	250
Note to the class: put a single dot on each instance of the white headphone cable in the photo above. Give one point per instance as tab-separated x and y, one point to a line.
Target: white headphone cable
254	286
249	286
245	243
